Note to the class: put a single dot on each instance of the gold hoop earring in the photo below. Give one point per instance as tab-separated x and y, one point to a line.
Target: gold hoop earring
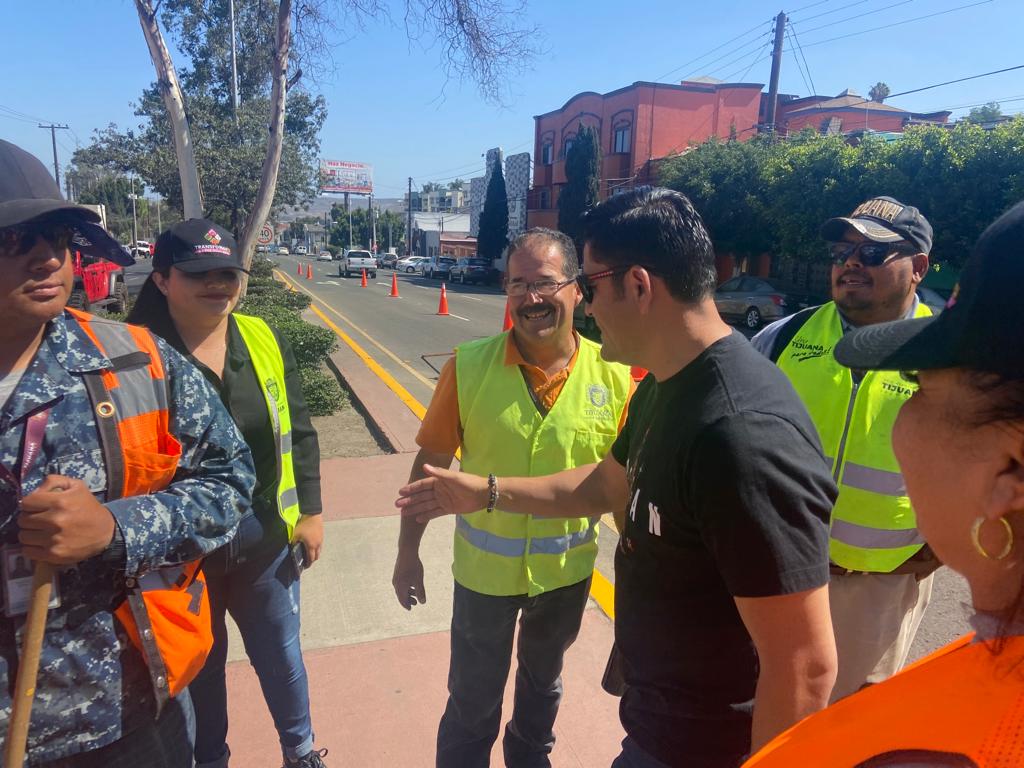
976	539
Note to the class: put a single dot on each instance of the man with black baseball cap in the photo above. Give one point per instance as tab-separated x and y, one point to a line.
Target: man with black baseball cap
881	570
118	463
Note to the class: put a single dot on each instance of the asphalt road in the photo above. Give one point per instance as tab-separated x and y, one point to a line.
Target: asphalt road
135	275
407	338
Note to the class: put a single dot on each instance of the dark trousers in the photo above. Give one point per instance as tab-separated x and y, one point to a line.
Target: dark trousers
163	743
483	627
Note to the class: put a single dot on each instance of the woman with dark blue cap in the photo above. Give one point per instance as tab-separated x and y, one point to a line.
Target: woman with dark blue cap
960	444
189	300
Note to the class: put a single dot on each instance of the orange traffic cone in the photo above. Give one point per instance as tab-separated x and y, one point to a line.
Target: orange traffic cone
362	283
507	323
394	286
442	307
309	271
298	270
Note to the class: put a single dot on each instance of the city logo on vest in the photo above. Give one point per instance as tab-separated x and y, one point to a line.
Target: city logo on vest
272	389
597	394
804	350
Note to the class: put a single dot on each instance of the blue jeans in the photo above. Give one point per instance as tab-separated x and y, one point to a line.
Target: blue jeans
483	627
163	743
253	579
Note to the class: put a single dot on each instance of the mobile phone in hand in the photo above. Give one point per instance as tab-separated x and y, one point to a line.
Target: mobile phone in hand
300	559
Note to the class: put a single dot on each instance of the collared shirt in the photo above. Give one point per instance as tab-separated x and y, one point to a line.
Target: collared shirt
441	430
93	685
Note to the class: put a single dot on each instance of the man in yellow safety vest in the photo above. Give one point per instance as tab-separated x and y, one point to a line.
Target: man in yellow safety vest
881	570
533	401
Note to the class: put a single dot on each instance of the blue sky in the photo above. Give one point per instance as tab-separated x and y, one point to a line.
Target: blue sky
82	62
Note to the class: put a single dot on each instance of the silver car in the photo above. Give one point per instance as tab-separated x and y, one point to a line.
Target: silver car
756	300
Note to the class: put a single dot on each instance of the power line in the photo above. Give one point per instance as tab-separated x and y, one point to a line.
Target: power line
757	57
23	116
756	42
801	50
899	23
713	50
834	10
857	16
958	80
799	66
812	5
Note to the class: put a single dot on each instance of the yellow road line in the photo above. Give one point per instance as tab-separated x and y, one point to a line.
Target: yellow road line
416	374
601	589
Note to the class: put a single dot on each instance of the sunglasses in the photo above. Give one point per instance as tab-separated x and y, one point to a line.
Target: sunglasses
586	282
870	254
546	287
21	238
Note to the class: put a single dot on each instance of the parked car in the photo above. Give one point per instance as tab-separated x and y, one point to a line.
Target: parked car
471	270
261	249
301	250
282	250
97	284
934	300
756	300
438	267
324	256
387	260
355	261
409	263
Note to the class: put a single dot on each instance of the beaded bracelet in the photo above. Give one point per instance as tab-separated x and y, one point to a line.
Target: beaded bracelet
492	491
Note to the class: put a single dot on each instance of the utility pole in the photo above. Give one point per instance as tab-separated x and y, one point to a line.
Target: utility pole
350	234
53	138
234	64
408	220
373	224
159	226
773	83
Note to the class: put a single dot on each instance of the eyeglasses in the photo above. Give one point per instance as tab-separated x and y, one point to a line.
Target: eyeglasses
870	254
586	282
22	237
546	287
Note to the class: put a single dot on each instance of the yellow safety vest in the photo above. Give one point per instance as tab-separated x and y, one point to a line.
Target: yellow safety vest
501	553
269	367
873	525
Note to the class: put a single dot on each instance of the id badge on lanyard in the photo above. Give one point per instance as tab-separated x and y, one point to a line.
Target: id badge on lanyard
15	568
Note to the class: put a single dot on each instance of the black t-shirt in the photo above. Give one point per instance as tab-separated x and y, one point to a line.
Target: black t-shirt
729	497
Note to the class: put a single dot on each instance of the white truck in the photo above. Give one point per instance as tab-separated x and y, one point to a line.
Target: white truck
353	262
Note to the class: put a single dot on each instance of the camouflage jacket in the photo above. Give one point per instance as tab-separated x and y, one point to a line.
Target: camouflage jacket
93	684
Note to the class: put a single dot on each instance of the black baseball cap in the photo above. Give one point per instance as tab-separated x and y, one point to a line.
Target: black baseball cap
982	327
29	192
884	220
197	245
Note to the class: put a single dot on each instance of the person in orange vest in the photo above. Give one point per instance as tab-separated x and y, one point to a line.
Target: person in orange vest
960	444
118	464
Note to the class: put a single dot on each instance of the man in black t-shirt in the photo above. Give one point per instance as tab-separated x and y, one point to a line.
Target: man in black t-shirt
721	602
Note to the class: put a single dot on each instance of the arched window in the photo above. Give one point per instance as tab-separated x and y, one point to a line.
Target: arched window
622	138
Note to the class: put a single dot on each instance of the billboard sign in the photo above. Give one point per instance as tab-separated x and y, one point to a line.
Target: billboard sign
345	176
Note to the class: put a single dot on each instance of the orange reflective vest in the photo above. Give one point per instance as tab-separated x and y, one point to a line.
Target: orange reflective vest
166	612
961	706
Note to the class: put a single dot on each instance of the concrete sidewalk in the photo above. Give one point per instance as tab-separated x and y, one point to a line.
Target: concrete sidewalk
377	672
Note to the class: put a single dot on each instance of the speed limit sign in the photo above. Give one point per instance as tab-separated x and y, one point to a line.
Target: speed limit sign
266	235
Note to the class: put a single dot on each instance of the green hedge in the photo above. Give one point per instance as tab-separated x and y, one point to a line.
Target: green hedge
279	307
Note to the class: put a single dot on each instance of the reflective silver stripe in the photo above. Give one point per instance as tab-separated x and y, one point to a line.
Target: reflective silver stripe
137	392
289	498
864	537
115	339
557	545
509	547
286	442
878	481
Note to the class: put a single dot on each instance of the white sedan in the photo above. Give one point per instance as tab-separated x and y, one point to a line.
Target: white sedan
410	263
324	256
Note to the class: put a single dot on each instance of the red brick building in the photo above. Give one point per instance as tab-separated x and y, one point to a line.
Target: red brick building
847	113
645	122
636	125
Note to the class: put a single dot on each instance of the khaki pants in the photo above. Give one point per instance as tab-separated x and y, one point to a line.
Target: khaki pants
875	617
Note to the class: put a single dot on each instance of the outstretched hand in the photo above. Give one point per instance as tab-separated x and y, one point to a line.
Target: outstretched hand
442	492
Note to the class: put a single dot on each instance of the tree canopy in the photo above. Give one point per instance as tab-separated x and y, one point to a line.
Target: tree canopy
764	196
985	113
582	181
879	91
493	233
